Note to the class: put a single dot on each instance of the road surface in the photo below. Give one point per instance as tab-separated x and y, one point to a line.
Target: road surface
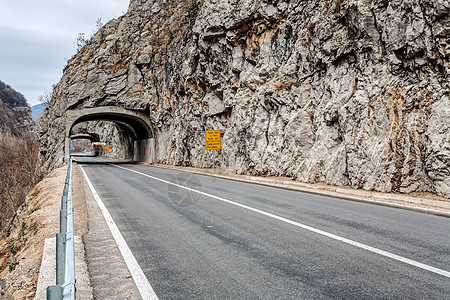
225	239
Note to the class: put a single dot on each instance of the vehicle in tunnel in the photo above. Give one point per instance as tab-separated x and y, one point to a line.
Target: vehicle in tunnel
97	148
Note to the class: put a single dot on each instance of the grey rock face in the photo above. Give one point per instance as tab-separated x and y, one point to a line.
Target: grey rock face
15	114
342	92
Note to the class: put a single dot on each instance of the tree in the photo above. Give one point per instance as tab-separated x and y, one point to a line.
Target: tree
80	42
46	97
99	24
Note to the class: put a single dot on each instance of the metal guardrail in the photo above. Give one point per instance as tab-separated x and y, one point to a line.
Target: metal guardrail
65	247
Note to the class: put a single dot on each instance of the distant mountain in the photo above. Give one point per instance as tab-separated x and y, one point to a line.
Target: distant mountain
15	114
37	111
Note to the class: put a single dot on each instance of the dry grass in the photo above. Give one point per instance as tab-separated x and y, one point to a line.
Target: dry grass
19	172
21	252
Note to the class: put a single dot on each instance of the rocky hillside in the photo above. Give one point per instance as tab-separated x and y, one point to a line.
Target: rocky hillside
346	92
15	114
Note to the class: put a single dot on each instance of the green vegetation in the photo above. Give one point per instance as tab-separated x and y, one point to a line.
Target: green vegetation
18	243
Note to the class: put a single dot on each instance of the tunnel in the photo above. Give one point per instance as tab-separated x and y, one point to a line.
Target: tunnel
93	137
136	123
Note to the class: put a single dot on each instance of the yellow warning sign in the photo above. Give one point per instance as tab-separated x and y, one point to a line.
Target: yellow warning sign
213	146
212	138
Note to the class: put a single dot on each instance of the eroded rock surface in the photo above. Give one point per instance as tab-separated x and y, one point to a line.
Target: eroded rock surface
346	92
15	114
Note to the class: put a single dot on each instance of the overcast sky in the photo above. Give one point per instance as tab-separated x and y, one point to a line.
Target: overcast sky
37	37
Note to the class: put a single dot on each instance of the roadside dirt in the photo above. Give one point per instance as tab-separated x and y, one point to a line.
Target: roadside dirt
21	252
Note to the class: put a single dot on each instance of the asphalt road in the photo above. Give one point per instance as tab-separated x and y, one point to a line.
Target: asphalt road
225	239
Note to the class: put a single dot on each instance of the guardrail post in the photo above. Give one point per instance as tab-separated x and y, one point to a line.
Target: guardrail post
60	257
63	221
65	252
64	202
54	292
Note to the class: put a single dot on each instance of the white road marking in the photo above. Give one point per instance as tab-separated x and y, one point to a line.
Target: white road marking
144	287
306	227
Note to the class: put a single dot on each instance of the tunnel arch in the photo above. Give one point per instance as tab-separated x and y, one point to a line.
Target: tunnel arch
137	124
93	137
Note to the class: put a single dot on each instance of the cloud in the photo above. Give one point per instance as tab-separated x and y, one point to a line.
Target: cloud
31	62
36	37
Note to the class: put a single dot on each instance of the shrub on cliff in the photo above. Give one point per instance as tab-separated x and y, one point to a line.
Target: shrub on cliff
19	172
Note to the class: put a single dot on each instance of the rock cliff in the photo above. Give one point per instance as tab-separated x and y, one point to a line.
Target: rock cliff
15	114
346	92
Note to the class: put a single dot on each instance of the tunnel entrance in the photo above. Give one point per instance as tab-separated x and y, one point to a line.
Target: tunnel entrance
135	124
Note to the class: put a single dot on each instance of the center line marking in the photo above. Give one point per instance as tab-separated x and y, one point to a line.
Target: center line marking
306	227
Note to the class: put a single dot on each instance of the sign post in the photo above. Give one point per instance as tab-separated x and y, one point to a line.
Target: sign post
212	141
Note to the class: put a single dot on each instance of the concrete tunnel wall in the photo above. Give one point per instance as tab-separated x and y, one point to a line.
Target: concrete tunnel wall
138	123
144	149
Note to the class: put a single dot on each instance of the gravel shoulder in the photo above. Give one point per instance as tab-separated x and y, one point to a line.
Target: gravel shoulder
38	220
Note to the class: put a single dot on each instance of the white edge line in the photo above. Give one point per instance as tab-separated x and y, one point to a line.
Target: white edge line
309	228
142	283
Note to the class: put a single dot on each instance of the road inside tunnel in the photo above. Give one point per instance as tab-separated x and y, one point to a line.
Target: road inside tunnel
134	129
